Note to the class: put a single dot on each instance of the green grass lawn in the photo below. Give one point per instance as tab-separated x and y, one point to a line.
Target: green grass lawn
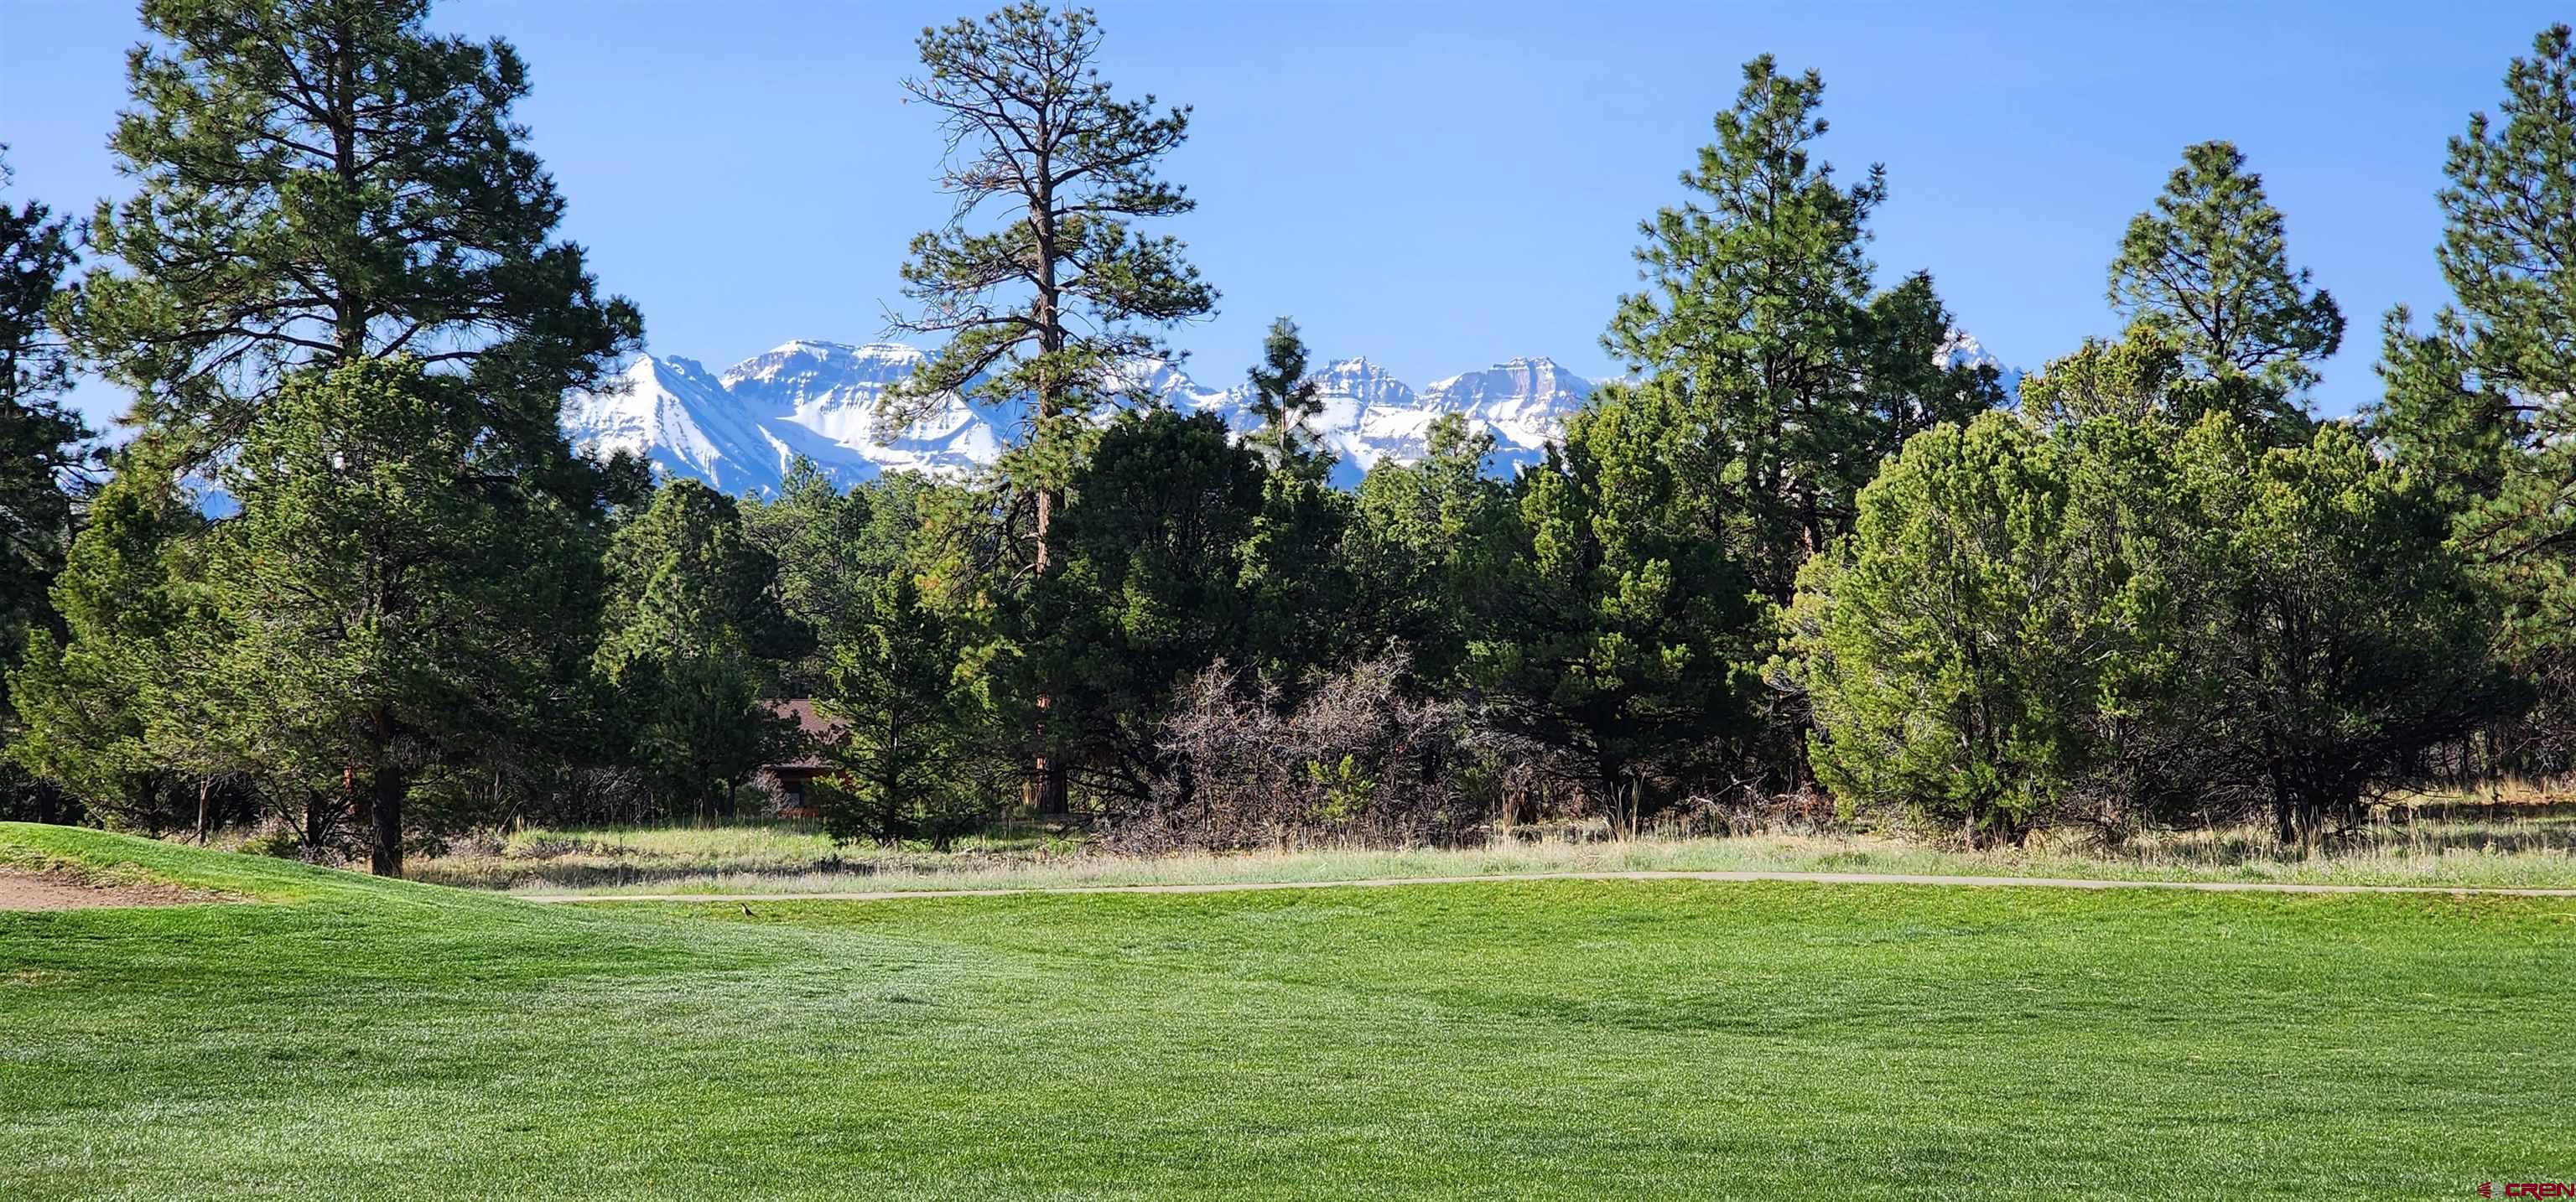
1610	1039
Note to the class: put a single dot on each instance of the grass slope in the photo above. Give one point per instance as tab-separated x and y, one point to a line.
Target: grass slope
360	1038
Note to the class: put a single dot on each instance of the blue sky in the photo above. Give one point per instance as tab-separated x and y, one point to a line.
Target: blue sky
1440	186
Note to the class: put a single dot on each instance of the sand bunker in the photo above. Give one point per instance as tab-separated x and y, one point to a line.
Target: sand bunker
20	891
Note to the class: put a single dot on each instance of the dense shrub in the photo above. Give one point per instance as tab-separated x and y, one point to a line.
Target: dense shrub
1357	760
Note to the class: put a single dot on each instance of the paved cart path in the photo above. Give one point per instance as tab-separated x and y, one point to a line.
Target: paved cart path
1815	878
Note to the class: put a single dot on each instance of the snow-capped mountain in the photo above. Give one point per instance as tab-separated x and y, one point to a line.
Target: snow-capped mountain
738	430
1523	401
1961	349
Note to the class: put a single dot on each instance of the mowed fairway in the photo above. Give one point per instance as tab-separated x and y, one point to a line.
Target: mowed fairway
1610	1039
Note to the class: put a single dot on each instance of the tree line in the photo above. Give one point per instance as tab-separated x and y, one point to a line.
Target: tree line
345	579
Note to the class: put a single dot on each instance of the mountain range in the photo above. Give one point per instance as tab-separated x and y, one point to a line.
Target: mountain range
739	429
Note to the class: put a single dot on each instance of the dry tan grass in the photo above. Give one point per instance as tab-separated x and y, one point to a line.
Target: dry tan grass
2532	847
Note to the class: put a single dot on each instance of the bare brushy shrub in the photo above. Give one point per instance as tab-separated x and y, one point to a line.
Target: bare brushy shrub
1357	762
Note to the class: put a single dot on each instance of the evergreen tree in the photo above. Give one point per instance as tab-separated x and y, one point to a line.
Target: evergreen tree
2146	380
2208	271
38	437
691	615
87	699
398	586
2480	405
1622	628
324	180
1048	308
1955	652
2334	636
1284	399
1758	311
1148	591
831	548
912	733
1429	542
1296	578
1913	380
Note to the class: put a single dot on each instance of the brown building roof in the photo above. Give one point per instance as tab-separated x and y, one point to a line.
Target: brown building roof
815	729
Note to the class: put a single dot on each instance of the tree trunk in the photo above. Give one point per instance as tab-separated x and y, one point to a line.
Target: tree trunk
387	858
1053	797
313	811
205	812
1049	792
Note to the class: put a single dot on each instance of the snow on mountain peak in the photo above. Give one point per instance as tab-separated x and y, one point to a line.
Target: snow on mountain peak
1960	348
740	428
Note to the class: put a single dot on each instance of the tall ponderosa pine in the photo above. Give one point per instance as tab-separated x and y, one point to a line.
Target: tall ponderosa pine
321	184
2484	404
1049	306
325	180
1758	310
2208	271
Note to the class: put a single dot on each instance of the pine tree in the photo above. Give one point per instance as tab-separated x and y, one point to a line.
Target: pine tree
89	699
690	620
324	180
1049	307
2337	635
1913	382
2145	380
1147	593
1285	400
1758	310
1429	543
1622	628
1296	577
822	540
399	585
2208	271
2480	405
911	729
39	439
1954	650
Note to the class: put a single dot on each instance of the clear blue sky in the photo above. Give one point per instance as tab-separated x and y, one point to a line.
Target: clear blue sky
1440	186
